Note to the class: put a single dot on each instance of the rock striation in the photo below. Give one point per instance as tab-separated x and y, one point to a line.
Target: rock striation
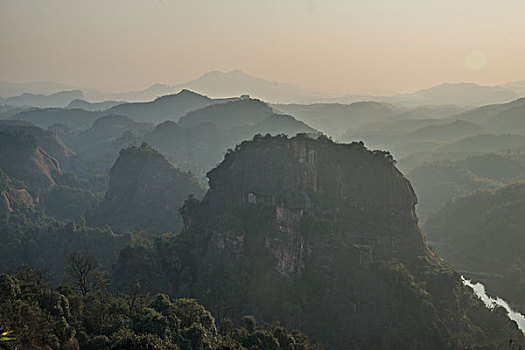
367	200
22	158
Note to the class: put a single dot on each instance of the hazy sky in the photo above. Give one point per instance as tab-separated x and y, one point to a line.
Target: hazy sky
365	46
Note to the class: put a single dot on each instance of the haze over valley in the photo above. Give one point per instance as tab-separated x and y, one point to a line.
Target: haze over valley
238	175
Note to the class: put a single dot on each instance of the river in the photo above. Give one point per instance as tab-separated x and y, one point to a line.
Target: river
490	302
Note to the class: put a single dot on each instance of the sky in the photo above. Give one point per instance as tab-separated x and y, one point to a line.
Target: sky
346	46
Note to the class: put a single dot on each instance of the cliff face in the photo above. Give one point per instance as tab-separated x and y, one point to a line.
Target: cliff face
323	237
12	197
367	201
47	140
145	192
21	158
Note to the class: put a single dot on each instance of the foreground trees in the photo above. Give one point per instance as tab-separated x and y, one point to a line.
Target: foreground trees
87	315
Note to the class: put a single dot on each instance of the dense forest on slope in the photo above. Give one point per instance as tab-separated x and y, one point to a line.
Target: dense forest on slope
145	192
483	234
320	236
326	262
69	317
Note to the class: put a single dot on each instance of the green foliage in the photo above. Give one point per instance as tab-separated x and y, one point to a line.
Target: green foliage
482	233
44	316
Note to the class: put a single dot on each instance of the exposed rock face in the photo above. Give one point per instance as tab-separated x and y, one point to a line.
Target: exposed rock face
145	192
368	201
12	197
21	158
302	230
47	140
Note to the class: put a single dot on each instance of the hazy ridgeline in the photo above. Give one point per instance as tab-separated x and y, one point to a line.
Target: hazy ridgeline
217	199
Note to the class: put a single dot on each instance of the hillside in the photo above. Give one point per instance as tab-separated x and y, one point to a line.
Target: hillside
169	107
92	106
77	119
59	99
304	231
145	193
482	234
333	119
50	142
22	158
438	182
445	132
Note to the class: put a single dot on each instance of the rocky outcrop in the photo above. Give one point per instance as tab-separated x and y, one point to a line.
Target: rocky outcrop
12	197
323	237
367	200
47	140
22	158
145	192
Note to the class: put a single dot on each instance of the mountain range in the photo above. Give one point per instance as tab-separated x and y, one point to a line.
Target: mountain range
217	84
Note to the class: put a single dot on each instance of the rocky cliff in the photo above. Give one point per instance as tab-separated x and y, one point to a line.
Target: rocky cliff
12	196
145	192
47	140
365	198
323	237
22	158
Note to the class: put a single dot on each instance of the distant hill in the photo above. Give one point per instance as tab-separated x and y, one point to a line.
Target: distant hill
441	181
482	234
229	115
9	89
145	192
431	112
460	94
59	99
496	166
200	139
21	158
485	144
94	107
106	129
509	121
47	140
385	134
483	113
77	119
334	119
237	83
148	94
445	132
169	107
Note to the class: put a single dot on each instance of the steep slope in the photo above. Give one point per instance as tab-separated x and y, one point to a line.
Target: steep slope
21	158
169	107
323	237
482	234
12	195
49	141
441	181
145	192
